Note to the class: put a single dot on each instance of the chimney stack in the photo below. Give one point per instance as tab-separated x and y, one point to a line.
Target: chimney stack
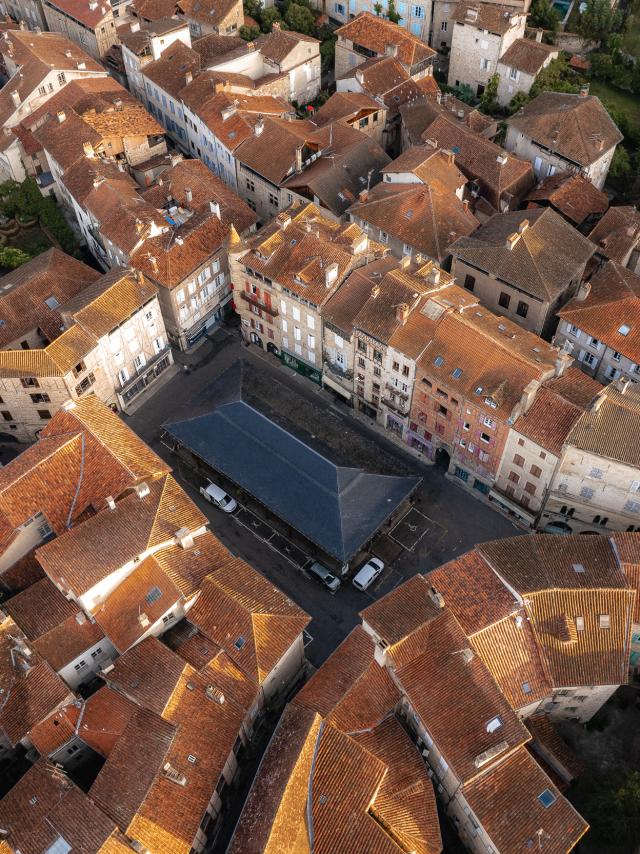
15	97
391	50
61	116
584	90
583	291
402	313
259	126
622	384
154	264
276	26
524	225
539	34
134	26
215	208
188	78
175	159
88	149
188	196
363	195
299	158
465	205
330	274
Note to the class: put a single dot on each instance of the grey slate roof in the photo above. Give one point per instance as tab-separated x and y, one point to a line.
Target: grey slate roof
338	508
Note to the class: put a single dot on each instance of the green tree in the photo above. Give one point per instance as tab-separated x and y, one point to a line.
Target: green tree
249	33
464	93
599	20
252	8
556	77
613	811
11	257
300	18
544	14
269	16
377	8
518	100
327	53
392	13
489	98
621	163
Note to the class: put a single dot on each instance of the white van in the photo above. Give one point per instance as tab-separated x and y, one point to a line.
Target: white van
367	574
219	497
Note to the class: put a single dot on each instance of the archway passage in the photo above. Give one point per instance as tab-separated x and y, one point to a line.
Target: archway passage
442	459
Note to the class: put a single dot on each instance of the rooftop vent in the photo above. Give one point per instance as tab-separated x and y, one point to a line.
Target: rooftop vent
436	597
111	504
144	620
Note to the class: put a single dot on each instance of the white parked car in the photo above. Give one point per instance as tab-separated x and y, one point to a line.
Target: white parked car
368	573
218	497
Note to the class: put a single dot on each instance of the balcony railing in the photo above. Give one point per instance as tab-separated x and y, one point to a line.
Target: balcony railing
338	371
154	366
252	299
403	395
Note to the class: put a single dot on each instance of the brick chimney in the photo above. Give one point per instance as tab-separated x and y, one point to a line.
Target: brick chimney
363	195
511	240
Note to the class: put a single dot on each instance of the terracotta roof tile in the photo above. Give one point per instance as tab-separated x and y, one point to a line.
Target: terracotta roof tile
341	308
119	535
544	573
513	824
575	127
612	305
205	187
571	195
320	242
212	13
25	290
418	215
433	681
618	233
109	301
170	71
611	430
376	33
44	806
337	180
187	568
31	698
547	255
552	415
278	44
273	817
147	674
169	258
146	591
351	690
527	55
418	115
128	774
344	106
250	619
406	801
502	177
115	439
487	16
